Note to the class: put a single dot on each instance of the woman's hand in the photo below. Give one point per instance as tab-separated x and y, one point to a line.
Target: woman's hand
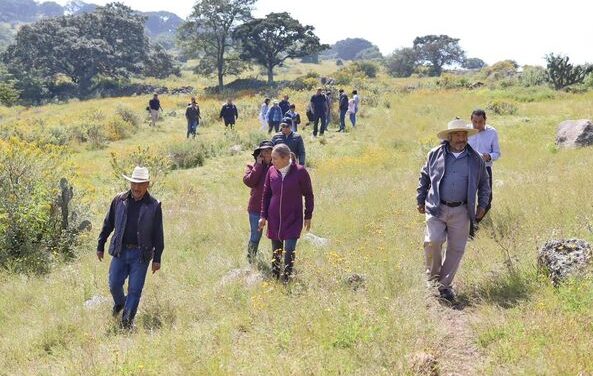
261	224
307	224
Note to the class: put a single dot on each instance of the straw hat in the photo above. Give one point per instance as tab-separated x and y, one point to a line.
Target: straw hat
456	125
139	175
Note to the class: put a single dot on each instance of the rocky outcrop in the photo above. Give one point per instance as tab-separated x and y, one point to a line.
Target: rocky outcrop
563	258
575	133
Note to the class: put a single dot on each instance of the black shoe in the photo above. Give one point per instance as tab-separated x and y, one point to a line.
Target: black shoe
127	320
448	295
116	309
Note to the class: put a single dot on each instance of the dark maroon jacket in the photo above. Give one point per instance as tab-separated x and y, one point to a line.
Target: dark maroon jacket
255	176
282	203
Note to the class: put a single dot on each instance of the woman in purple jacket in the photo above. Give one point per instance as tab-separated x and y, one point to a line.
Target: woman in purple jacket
254	178
282	207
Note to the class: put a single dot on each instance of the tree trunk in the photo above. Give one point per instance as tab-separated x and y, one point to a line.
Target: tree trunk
270	75
220	82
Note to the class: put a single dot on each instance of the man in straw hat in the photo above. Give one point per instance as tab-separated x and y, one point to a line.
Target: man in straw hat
453	175
137	219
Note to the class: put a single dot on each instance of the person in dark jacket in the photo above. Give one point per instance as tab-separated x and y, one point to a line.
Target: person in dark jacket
293	117
274	117
254	178
192	114
293	140
154	106
229	113
136	220
284	105
319	109
343	110
282	208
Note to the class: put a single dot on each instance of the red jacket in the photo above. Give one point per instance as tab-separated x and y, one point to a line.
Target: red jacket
282	203
254	178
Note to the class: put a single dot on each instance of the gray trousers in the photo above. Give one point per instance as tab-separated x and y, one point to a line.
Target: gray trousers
451	226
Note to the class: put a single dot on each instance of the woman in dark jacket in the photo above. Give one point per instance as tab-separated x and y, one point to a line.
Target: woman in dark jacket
254	178
282	207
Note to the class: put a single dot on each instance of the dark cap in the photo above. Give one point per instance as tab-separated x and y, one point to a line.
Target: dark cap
262	145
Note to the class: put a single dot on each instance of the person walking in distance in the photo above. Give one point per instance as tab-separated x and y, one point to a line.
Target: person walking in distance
319	108
343	106
229	113
192	115
453	181
136	220
154	106
485	142
282	208
274	117
254	178
263	113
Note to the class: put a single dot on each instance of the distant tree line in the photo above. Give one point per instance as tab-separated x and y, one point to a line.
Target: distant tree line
79	51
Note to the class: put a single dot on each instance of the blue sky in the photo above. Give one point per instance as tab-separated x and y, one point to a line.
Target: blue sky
491	30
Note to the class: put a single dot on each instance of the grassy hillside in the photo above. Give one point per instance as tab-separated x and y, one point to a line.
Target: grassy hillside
207	313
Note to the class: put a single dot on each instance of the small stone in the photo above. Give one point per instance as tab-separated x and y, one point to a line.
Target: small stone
356	281
235	149
315	240
95	301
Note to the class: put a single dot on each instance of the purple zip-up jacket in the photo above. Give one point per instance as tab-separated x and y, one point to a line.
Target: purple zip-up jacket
255	176
282	204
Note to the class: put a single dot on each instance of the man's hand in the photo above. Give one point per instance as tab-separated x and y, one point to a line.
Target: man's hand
261	224
480	213
421	209
307	224
486	157
155	266
100	255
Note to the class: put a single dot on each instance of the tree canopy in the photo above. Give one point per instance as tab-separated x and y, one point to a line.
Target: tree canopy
438	51
271	40
207	35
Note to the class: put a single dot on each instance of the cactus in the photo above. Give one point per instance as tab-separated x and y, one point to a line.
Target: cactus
561	73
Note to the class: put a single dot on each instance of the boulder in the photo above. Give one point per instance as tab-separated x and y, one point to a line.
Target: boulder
235	149
575	133
316	241
563	258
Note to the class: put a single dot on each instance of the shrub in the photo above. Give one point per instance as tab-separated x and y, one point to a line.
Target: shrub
128	115
158	163
187	154
32	232
532	76
450	81
502	107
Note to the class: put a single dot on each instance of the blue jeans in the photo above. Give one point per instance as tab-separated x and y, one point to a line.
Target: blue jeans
129	264
288	247
253	223
343	119
192	126
353	119
320	118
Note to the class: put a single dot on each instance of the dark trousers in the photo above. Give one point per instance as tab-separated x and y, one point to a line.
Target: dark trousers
343	119
275	125
227	123
489	169
319	118
288	247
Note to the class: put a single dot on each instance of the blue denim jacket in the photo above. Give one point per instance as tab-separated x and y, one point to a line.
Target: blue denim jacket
432	172
150	227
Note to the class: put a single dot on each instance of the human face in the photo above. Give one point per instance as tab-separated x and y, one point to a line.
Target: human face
458	141
479	122
286	129
280	162
266	155
138	190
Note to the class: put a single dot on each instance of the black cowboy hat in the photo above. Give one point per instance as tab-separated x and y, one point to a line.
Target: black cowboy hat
262	145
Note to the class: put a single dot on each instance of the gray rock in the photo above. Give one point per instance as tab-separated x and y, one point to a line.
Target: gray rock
316	241
172	113
95	302
236	149
246	275
564	258
575	133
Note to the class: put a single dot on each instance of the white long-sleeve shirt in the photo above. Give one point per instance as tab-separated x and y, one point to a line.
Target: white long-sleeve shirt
486	141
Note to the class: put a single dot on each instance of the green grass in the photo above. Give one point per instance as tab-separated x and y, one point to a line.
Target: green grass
190	322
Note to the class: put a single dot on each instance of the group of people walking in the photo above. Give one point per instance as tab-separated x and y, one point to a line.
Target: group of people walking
454	194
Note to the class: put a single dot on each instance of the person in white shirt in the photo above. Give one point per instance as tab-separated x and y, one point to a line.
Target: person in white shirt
485	142
262	114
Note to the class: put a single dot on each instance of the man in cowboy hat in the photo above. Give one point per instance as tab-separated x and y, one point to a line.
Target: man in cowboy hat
137	219
453	175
